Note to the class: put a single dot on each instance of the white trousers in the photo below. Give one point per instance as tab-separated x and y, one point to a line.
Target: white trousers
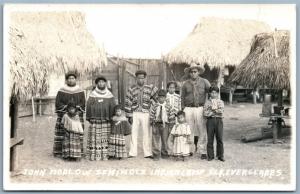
197	122
141	123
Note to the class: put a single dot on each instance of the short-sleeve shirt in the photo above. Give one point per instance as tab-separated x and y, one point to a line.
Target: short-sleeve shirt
193	93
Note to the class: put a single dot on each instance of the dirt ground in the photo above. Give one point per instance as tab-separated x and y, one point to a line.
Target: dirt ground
270	161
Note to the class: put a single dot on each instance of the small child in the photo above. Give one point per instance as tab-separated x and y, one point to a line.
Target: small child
120	129
173	99
213	110
181	137
73	139
162	116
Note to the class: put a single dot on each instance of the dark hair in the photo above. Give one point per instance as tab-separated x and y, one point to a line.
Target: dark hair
117	107
214	88
170	83
139	72
71	73
162	92
71	104
100	78
180	113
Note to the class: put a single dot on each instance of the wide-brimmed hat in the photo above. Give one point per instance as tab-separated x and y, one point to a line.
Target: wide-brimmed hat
195	66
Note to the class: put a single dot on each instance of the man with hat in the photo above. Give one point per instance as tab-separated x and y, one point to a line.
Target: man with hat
99	112
138	101
193	96
70	92
162	118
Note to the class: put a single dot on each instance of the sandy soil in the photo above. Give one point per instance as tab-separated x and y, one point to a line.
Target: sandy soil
38	166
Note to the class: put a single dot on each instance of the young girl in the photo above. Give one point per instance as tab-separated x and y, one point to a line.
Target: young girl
120	128
72	146
181	137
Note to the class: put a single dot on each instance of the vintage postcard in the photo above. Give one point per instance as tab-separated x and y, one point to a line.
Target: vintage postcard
176	97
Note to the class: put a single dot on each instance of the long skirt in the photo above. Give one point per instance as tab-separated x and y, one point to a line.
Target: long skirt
117	146
97	142
59	136
72	147
181	146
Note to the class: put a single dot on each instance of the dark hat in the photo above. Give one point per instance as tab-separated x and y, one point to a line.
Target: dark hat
214	88
161	93
171	82
100	78
195	66
71	73
138	72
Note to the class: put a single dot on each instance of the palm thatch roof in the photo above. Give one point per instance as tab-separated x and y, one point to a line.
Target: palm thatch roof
41	43
267	64
217	42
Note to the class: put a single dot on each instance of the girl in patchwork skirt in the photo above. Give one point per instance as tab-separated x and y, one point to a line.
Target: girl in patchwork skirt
72	143
120	129
181	137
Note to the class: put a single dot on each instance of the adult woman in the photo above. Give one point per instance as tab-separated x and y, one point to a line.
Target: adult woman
99	112
70	92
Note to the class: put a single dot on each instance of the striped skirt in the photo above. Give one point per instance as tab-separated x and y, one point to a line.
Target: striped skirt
117	148
72	145
59	136
97	141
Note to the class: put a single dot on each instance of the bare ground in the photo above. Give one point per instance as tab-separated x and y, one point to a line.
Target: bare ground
36	157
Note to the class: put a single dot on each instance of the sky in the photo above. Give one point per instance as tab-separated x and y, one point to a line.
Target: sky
150	31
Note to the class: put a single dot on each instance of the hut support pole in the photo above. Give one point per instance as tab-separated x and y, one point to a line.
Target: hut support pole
280	100
13	135
254	96
230	96
220	78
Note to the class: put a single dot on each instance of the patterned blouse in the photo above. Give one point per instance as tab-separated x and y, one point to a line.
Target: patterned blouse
214	108
174	100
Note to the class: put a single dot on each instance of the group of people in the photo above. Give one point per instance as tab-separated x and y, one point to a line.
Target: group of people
172	125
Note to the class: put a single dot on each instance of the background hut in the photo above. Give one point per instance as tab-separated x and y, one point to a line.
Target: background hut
43	43
216	44
267	64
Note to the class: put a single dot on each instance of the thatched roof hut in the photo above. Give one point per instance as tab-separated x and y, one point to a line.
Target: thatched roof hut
217	42
267	64
41	43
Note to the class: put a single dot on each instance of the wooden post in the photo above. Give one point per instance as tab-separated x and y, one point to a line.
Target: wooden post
40	107
230	96
220	77
33	109
280	100
254	96
13	133
164	74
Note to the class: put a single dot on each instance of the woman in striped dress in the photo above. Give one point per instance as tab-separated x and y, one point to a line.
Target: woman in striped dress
69	92
99	112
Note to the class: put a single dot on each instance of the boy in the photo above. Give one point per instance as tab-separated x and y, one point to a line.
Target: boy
213	110
161	117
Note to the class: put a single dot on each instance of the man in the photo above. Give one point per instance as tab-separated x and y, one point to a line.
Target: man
70	92
137	106
99	112
193	96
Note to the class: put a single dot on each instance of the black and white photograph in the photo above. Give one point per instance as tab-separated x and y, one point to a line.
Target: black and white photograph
149	97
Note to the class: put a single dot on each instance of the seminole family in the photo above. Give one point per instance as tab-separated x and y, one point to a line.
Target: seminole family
171	125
